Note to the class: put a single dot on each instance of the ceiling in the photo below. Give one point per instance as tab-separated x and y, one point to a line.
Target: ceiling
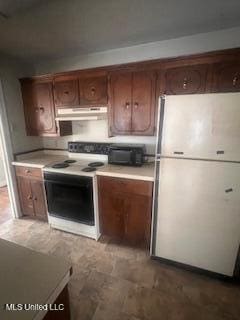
36	30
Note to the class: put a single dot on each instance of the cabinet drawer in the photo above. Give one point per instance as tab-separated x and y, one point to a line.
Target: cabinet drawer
126	186
29	172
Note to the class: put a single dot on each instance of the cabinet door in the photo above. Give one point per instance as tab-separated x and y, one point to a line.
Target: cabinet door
186	80
112	214
138	220
121	102
39	199
93	91
41	118
144	102
66	93
25	195
226	77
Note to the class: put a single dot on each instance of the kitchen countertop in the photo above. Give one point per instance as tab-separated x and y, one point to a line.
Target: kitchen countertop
41	160
29	277
146	172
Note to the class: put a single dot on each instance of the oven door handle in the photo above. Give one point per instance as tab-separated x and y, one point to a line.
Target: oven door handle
80	184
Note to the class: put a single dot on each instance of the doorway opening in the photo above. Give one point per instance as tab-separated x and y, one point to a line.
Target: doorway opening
9	203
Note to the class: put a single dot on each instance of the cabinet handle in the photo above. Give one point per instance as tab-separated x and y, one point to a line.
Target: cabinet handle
136	105
41	109
235	79
27	171
185	81
127	105
66	92
29	197
35	198
93	90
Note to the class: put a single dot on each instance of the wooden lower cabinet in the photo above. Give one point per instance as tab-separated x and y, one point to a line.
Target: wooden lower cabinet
31	194
125	213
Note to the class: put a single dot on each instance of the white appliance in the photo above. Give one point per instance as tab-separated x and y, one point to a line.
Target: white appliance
81	113
196	210
71	192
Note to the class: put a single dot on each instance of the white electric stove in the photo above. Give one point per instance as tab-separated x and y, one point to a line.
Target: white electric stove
71	189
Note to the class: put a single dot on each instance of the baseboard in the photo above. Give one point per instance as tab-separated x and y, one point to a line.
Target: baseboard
197	270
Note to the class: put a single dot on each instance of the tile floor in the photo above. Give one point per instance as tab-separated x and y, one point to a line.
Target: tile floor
5	210
114	282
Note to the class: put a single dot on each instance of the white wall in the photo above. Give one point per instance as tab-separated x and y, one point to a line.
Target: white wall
97	130
10	72
204	42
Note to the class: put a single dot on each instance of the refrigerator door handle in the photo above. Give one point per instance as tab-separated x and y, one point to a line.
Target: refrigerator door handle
161	109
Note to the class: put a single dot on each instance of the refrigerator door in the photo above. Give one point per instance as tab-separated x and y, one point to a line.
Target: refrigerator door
198	215
202	126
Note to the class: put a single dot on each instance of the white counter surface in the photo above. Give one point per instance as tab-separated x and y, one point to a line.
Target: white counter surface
39	161
43	159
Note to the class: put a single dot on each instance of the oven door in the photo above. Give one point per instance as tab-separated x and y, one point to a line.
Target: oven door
70	197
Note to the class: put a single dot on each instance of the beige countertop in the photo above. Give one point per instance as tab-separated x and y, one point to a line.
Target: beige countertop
29	277
40	160
146	172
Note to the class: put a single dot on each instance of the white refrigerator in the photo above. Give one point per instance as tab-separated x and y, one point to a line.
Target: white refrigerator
196	209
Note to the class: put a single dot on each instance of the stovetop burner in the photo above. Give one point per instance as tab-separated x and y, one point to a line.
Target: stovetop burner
96	164
89	169
70	161
60	165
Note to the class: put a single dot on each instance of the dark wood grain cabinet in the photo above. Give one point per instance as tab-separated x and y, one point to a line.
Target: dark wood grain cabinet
226	77
125	209
31	192
133	102
66	92
93	91
185	80
39	110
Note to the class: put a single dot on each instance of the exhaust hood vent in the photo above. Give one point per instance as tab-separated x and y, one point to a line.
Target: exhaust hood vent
80	113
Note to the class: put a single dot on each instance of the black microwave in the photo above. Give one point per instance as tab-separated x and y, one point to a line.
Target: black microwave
127	154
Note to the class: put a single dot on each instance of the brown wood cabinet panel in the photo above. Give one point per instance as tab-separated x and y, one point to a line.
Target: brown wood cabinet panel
93	91
39	203
226	77
185	80
66	93
138	220
25	196
125	215
43	107
121	102
122	185
39	110
143	102
29	172
112	214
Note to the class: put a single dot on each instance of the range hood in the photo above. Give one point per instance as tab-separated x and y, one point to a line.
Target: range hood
81	113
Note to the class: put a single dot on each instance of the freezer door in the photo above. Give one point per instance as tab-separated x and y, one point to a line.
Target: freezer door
198	217
203	126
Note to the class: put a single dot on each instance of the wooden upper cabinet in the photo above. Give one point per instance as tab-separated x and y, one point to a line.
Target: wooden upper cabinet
39	110
38	107
143	102
121	102
185	80
226	77
93	91
66	92
132	99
